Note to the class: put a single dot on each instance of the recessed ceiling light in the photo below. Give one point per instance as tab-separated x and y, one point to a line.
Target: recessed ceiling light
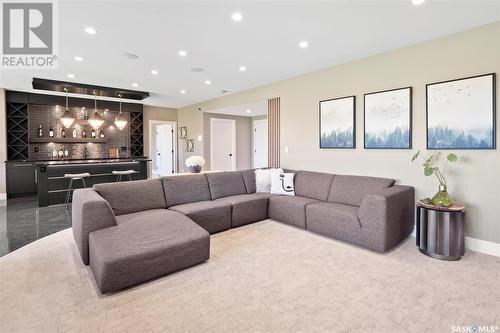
71	76
182	53
208	82
248	111
135	85
155	72
236	17
243	68
197	69
183	91
418	2
78	58
303	44
130	56
90	30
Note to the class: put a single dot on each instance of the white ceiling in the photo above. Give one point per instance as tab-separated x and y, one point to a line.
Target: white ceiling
252	109
265	41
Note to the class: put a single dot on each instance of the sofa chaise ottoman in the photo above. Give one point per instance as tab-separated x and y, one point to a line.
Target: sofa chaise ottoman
136	231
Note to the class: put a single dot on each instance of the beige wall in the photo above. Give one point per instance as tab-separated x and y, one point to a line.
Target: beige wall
155	113
243	140
191	118
474	180
3	145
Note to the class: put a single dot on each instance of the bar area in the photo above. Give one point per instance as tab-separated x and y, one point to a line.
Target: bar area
58	143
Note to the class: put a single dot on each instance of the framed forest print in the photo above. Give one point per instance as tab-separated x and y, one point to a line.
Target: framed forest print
337	119
388	119
461	113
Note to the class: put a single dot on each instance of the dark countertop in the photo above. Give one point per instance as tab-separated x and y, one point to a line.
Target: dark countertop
84	161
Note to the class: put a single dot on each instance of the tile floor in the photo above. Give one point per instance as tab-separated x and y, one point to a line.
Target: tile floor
22	222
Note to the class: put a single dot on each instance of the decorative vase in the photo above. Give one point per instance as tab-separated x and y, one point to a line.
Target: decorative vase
195	168
442	198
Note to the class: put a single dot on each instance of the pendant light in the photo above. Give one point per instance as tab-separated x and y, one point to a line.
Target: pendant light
96	120
120	120
67	118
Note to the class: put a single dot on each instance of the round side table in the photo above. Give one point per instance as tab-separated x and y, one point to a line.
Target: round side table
440	230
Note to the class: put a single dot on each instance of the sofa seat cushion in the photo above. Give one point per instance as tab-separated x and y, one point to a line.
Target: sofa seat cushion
351	190
247	208
131	253
225	184
214	216
146	216
135	196
185	189
334	220
289	209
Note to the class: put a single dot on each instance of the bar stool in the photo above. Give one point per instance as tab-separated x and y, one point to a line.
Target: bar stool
72	177
121	173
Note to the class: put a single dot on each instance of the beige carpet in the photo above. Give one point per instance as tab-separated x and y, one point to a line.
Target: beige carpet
265	277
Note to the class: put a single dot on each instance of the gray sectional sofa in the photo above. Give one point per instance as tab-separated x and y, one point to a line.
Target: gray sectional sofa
131	232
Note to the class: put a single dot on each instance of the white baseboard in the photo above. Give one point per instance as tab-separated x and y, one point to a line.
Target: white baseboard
477	245
482	246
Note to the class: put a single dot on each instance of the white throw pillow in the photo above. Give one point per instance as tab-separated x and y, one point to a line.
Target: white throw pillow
282	183
263	179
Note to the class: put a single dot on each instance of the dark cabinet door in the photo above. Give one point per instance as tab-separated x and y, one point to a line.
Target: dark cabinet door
21	178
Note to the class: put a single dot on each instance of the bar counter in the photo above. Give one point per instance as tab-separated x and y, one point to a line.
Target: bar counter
53	185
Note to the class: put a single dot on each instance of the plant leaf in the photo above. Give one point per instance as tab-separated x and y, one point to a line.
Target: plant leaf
428	171
415	156
452	157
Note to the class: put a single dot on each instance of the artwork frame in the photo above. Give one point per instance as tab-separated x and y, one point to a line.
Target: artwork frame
489	116
182	132
405	105
189	145
350	102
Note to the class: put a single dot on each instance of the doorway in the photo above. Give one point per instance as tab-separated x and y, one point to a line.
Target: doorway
163	148
222	144
260	143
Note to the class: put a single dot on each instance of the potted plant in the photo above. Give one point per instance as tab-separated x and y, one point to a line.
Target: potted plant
195	163
441	198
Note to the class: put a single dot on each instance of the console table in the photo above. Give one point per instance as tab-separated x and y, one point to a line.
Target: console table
440	230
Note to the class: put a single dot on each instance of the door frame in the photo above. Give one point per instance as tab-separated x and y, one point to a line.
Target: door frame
253	139
152	138
233	137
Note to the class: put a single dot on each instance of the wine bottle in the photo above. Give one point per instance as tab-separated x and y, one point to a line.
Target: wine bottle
40	131
60	153
102	134
51	133
84	134
63	133
66	152
74	132
92	134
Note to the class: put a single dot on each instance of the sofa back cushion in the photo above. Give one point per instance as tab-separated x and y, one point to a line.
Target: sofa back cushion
131	197
185	189
315	185
225	184
249	179
351	190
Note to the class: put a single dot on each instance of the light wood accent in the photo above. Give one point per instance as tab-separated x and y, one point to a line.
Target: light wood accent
273	118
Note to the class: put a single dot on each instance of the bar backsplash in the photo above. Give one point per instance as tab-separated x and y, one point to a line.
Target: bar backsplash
49	117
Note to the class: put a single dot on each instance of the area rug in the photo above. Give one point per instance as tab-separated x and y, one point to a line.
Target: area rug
263	277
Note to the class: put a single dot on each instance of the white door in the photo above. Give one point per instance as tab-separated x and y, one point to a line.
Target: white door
164	150
222	144
260	143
